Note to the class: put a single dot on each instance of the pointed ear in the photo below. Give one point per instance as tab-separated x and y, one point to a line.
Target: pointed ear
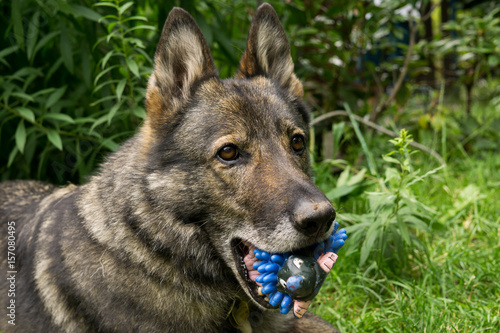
182	58
268	52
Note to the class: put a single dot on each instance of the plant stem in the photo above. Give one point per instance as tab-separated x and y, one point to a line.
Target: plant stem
125	53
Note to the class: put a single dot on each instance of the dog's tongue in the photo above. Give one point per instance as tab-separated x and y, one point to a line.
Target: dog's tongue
249	260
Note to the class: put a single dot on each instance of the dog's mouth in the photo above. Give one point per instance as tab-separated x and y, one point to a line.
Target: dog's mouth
244	259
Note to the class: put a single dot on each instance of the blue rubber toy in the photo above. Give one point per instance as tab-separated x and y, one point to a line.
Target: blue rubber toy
303	286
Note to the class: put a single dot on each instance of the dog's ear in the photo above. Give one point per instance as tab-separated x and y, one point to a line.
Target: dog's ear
268	51
182	58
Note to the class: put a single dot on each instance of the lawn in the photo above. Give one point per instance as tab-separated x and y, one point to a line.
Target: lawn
453	284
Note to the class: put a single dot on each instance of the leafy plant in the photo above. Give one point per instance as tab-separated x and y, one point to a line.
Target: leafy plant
387	233
123	69
477	46
51	127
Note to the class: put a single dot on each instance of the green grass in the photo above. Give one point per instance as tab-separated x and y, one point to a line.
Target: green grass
455	287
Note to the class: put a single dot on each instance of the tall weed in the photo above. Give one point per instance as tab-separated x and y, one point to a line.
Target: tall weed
387	234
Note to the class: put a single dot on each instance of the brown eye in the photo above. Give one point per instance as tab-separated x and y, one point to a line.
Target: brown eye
228	153
298	144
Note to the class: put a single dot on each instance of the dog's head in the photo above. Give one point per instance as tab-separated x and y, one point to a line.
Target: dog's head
231	155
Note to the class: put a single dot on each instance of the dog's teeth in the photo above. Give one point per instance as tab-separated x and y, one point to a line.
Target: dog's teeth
260	291
266	299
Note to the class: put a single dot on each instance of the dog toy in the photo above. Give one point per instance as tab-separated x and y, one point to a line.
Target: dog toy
293	280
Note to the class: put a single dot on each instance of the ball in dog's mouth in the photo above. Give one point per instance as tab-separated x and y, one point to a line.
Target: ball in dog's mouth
244	258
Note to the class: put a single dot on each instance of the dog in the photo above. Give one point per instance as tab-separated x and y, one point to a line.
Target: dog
156	240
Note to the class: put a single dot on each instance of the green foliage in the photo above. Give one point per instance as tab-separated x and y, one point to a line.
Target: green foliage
386	234
454	287
476	45
347	50
124	68
69	96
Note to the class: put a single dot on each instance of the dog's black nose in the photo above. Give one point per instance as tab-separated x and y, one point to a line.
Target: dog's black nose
313	217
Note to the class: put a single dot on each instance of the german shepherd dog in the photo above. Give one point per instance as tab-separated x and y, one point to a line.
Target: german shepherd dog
156	241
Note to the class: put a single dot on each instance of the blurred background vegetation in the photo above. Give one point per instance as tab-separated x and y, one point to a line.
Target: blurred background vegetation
420	209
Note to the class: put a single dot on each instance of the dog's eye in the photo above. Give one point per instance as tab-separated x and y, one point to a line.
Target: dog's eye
228	153
298	144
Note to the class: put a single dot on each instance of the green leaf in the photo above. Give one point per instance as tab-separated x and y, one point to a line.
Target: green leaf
17	21
135	41
23	96
101	74
110	144
114	34
140	27
106	58
66	50
369	157
120	87
341	191
98	122
84	120
20	136
60	116
137	18
12	155
26	113
145	55
307	31
86	12
416	223
132	65
105	4
392	176
125	7
113	111
8	50
55	97
358	178
100	86
139	112
371	236
53	68
29	149
45	39
107	98
112	24
25	71
62	6
344	176
337	131
32	36
403	230
54	138
390	159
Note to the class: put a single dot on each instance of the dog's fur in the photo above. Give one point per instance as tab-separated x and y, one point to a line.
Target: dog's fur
148	244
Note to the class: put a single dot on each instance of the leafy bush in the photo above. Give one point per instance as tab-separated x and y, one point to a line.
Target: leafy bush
477	46
387	232
68	77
